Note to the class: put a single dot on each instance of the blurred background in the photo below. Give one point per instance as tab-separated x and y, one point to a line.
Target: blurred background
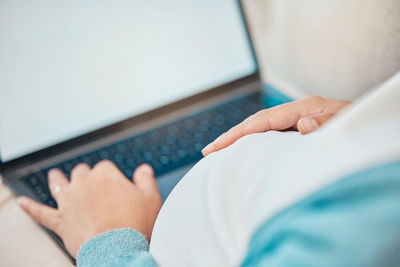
332	48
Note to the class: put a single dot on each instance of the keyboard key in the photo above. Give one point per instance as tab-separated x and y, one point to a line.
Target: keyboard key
103	154
165	149
219	119
164	160
130	163
87	160
120	148
170	139
135	151
189	124
138	142
93	158
156	165
155	135
118	158
198	137
199	146
148	156
172	130
67	167
42	176
181	153
33	180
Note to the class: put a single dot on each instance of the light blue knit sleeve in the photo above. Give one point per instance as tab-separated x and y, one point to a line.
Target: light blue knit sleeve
117	248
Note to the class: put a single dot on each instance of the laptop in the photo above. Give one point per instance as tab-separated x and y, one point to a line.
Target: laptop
130	81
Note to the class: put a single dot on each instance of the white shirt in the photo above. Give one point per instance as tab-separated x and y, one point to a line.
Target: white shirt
210	216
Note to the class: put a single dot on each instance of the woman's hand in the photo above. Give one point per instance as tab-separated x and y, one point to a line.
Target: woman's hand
97	200
304	115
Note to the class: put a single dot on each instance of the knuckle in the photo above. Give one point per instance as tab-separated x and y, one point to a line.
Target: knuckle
314	99
314	104
239	129
154	197
245	129
256	122
249	118
253	116
247	121
260	113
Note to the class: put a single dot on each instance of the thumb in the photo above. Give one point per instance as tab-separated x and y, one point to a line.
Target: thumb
311	123
145	180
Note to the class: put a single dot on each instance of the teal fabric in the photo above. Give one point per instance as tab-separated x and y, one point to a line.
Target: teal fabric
117	248
353	222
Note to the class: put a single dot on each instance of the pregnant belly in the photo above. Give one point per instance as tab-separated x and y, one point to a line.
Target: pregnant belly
207	219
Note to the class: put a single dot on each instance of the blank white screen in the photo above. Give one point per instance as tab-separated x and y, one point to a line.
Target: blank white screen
70	67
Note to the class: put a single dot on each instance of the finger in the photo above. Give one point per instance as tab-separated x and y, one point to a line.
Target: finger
80	170
43	214
105	167
311	123
277	118
145	180
57	183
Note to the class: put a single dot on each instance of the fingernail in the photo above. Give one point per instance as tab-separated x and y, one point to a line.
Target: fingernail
207	149
309	124
146	168
21	201
210	147
52	172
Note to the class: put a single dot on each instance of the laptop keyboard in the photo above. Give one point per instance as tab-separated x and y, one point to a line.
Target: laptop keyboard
165	148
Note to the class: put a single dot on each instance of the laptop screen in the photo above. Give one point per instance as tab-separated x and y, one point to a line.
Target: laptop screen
70	67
